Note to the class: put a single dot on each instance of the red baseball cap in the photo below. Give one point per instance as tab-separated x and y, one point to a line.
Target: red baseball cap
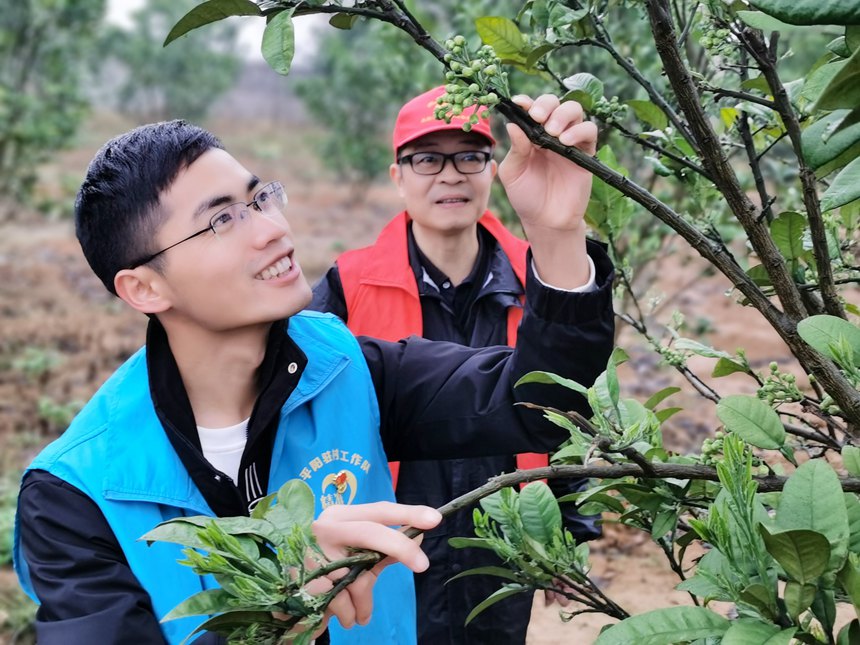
418	118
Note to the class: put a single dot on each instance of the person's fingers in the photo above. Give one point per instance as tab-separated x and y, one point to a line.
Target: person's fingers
373	536
388	513
342	607
562	120
361	594
582	135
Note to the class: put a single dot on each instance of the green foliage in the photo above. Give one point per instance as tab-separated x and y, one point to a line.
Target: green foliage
36	362
672	625
184	79
8	500
46	49
261	563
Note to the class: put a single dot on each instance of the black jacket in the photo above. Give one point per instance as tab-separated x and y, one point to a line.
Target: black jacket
435	401
474	314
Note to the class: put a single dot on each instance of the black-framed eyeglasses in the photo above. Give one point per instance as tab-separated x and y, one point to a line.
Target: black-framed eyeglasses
468	162
271	199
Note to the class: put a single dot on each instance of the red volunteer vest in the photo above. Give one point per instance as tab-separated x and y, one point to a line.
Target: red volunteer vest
382	297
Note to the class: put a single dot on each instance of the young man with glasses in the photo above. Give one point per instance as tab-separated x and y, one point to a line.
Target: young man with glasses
446	269
238	390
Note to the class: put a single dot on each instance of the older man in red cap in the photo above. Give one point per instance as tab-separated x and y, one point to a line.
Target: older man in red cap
445	268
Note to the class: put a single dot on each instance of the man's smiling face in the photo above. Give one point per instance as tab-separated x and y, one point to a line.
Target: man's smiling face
449	201
246	276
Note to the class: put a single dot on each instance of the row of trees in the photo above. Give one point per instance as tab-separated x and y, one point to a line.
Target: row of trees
732	127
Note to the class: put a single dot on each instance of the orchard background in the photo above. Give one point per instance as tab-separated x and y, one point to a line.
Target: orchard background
323	130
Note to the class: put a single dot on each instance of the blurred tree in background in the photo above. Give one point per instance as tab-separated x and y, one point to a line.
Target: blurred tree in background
181	81
46	51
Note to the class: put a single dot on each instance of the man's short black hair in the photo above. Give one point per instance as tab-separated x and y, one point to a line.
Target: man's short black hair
118	208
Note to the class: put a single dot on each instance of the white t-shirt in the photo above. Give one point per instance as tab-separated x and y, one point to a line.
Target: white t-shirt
223	447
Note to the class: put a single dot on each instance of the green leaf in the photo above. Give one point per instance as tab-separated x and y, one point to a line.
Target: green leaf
752	420
824	608
649	113
851	460
663	626
539	512
787	232
803	554
182	530
203	603
598	503
758	83
849	578
664	522
843	90
658	397
849	634
232	620
811	12
812	499
590	85
815	84
823	332
343	21
539	52
759	596
503	35
279	42
755	632
726	366
295	506
798	597
852	508
758	274
608	210
470	543
499	572
209	12
698	348
505	592
666	413
759	20
844	189
547	377
819	148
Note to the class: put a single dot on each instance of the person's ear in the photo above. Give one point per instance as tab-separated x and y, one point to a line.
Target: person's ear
494	167
396	174
142	289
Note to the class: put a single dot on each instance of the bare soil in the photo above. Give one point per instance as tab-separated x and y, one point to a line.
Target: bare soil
52	307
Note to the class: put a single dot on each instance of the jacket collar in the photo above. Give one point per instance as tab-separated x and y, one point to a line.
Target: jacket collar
154	449
493	268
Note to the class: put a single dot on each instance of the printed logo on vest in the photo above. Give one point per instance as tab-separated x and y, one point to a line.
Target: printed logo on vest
345	485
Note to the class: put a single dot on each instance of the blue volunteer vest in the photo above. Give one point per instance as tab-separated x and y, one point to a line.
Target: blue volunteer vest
117	452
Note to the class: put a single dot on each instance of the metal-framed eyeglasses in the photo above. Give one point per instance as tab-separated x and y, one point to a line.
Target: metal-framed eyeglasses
468	162
271	200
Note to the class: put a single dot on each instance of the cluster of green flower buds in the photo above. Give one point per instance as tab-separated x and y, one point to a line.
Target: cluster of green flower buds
779	387
611	111
672	357
828	405
712	449
717	40
474	79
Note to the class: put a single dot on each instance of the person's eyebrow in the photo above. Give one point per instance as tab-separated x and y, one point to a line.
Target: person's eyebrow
224	200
